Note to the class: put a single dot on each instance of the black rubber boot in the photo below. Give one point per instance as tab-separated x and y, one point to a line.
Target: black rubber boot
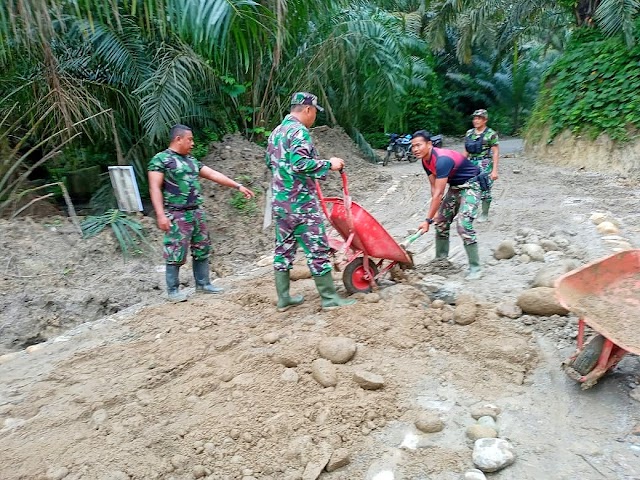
201	275
172	275
328	294
285	300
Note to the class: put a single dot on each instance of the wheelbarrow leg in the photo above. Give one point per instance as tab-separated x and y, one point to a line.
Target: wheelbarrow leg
581	325
609	357
369	273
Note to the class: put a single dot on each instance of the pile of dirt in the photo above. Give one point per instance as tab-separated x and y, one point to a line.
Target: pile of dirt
226	388
52	279
237	233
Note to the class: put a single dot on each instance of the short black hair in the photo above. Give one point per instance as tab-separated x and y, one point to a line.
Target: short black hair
422	133
177	130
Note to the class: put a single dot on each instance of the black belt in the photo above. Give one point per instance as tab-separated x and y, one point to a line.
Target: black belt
180	208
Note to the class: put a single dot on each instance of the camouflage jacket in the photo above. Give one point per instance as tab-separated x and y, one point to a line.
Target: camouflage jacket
181	178
489	140
294	163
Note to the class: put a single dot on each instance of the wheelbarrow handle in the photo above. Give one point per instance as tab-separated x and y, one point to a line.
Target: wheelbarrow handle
345	182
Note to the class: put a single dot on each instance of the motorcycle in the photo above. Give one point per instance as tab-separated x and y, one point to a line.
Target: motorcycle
399	147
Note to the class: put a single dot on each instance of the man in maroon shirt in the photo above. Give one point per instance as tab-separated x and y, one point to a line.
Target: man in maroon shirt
448	167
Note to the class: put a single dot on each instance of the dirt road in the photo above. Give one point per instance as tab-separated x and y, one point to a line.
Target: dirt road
224	387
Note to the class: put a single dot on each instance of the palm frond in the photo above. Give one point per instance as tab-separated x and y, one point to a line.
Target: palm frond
166	96
615	16
128	232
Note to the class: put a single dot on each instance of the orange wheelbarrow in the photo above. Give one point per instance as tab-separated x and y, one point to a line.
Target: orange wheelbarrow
365	243
605	294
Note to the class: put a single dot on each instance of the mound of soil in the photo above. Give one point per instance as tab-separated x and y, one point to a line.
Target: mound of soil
223	385
52	279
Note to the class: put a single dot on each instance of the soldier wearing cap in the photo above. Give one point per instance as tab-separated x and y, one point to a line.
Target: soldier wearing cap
174	185
482	148
295	165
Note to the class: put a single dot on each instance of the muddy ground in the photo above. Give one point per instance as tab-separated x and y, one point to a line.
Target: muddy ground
115	383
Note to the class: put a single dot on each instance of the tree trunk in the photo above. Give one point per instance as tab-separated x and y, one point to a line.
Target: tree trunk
585	10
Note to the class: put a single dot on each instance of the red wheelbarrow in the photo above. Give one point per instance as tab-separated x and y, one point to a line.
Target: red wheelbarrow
605	294
363	241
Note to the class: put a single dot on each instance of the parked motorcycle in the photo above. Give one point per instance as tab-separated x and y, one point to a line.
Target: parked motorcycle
400	147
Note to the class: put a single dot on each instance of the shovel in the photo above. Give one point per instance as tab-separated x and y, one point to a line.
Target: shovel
411	238
404	245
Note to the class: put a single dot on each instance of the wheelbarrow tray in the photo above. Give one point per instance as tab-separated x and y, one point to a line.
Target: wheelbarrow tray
606	295
370	237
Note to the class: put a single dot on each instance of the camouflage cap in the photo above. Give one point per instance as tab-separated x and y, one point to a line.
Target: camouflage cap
481	112
305	98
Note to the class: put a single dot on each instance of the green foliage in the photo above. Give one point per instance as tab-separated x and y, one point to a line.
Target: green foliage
377	140
104	198
204	138
127	231
593	88
245	206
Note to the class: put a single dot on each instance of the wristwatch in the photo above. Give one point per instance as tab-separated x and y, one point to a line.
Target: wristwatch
429	220
239	186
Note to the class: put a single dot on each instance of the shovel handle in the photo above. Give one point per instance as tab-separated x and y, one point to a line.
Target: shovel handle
414	237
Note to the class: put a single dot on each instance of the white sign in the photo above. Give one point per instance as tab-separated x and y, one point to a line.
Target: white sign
123	180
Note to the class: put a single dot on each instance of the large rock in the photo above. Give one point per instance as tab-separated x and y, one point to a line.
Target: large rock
488	421
547	276
318	460
492	454
549	245
324	372
597	217
474	475
510	310
534	251
340	458
429	422
607	228
368	380
505	250
337	349
299	272
480	410
477	431
465	314
540	301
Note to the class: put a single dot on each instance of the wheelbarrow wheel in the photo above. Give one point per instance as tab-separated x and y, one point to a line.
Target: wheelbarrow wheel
589	355
354	276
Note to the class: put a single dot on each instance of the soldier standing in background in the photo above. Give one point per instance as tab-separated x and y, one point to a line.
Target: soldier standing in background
295	165
481	145
176	195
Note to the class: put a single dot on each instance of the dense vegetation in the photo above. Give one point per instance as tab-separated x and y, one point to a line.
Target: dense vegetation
86	84
594	97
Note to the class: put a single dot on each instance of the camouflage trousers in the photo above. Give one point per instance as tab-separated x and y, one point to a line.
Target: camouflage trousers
188	229
462	202
307	230
486	165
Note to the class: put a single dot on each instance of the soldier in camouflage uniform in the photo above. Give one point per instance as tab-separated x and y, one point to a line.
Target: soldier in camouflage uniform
295	165
465	182
174	185
482	148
